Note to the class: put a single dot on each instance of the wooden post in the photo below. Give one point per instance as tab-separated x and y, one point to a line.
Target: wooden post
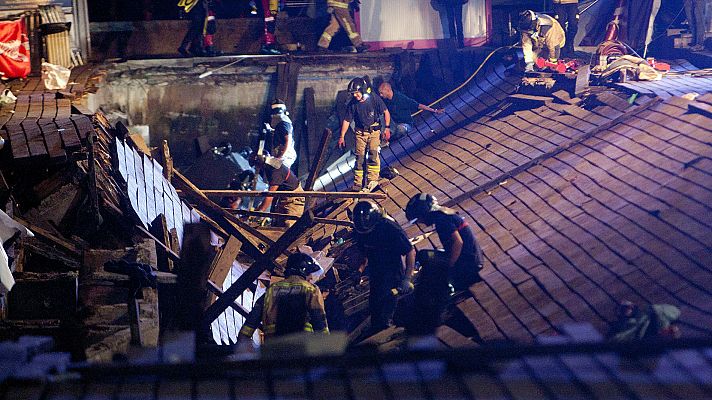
317	163
159	230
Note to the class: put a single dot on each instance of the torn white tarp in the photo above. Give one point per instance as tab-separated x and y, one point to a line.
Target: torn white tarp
8	228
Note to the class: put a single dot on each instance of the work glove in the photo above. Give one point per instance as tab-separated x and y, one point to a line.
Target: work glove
405	287
529	67
329	10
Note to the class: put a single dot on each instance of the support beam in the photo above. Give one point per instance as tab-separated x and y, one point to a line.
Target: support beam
216	291
261	264
319	160
223	263
334	195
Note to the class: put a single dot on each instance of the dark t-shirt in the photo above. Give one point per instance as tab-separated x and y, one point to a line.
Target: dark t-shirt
446	224
401	107
281	131
282	177
365	113
384	247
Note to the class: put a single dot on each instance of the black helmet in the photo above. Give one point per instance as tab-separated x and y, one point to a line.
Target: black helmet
419	206
301	264
359	85
527	21
366	216
279	107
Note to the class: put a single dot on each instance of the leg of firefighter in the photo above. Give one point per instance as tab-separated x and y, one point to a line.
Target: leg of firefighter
346	22
374	159
329	32
361	142
571	28
431	292
381	305
292	206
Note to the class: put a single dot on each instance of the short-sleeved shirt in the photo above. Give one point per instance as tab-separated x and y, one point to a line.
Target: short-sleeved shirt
384	247
282	177
283	130
446	224
401	107
365	113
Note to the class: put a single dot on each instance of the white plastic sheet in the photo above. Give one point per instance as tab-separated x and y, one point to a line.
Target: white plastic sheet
55	77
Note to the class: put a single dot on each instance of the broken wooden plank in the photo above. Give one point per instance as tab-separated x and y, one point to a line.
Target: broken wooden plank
159	230
216	291
328	221
223	262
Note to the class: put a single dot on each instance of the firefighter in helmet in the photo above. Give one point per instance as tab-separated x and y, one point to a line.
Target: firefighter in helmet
291	305
365	111
462	252
384	244
540	35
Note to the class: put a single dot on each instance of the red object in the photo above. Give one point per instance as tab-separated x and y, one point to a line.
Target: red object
14	50
559	66
657	65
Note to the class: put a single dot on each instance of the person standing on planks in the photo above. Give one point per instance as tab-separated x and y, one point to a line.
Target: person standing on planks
365	111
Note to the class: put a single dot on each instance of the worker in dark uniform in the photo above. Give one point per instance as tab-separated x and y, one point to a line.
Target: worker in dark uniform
458	264
401	108
462	252
384	244
568	16
540	34
365	111
340	19
279	177
289	306
192	43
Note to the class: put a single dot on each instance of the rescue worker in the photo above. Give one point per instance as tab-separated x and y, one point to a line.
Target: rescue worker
695	12
365	111
462	252
402	109
279	177
568	16
270	8
384	244
340	19
192	43
283	130
289	306
540	33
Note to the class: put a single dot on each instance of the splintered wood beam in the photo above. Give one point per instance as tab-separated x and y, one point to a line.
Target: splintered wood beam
334	195
169	252
216	291
230	223
329	221
166	161
318	160
52	237
262	263
223	262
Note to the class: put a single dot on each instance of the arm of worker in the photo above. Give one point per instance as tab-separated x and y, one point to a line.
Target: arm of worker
344	128
253	320
280	150
387	120
456	248
428	108
528	50
317	313
267	203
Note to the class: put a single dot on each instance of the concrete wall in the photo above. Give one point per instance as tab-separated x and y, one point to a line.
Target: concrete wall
229	105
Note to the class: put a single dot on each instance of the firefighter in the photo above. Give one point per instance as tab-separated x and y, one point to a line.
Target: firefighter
462	253
289	306
283	142
384	244
270	8
365	110
340	19
540	33
568	16
279	177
